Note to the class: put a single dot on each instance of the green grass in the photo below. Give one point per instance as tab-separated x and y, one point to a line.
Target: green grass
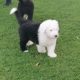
15	65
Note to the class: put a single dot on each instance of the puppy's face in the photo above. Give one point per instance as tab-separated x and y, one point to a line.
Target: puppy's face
52	31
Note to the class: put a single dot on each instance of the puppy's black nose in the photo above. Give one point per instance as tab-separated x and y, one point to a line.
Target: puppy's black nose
55	35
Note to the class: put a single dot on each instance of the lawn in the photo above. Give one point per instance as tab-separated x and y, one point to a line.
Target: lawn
15	65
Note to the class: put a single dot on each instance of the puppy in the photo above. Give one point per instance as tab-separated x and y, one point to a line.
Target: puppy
25	9
43	34
48	33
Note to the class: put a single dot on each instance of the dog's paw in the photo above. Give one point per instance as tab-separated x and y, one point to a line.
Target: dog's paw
53	55
29	43
26	51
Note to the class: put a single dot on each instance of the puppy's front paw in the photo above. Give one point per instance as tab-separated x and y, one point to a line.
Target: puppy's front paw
53	55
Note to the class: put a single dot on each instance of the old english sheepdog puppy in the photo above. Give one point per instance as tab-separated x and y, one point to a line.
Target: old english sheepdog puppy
43	34
48	33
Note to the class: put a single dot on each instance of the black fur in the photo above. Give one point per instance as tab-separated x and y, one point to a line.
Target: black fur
26	7
28	30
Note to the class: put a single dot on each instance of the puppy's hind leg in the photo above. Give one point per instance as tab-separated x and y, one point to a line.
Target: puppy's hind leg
23	46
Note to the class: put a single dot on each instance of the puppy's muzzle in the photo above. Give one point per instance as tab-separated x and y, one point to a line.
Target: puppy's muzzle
56	36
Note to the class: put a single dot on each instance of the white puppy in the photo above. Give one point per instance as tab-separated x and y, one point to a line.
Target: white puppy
47	36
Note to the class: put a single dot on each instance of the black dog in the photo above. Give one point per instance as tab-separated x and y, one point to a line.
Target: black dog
28	30
26	7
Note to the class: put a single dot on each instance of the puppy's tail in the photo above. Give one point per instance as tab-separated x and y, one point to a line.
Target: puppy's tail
18	16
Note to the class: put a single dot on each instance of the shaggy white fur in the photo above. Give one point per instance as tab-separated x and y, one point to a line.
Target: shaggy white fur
47	35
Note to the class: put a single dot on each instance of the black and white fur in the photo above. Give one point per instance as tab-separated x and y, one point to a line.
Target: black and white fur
27	30
25	9
44	34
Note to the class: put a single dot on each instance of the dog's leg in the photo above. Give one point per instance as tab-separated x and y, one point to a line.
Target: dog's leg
30	14
23	46
41	49
51	50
